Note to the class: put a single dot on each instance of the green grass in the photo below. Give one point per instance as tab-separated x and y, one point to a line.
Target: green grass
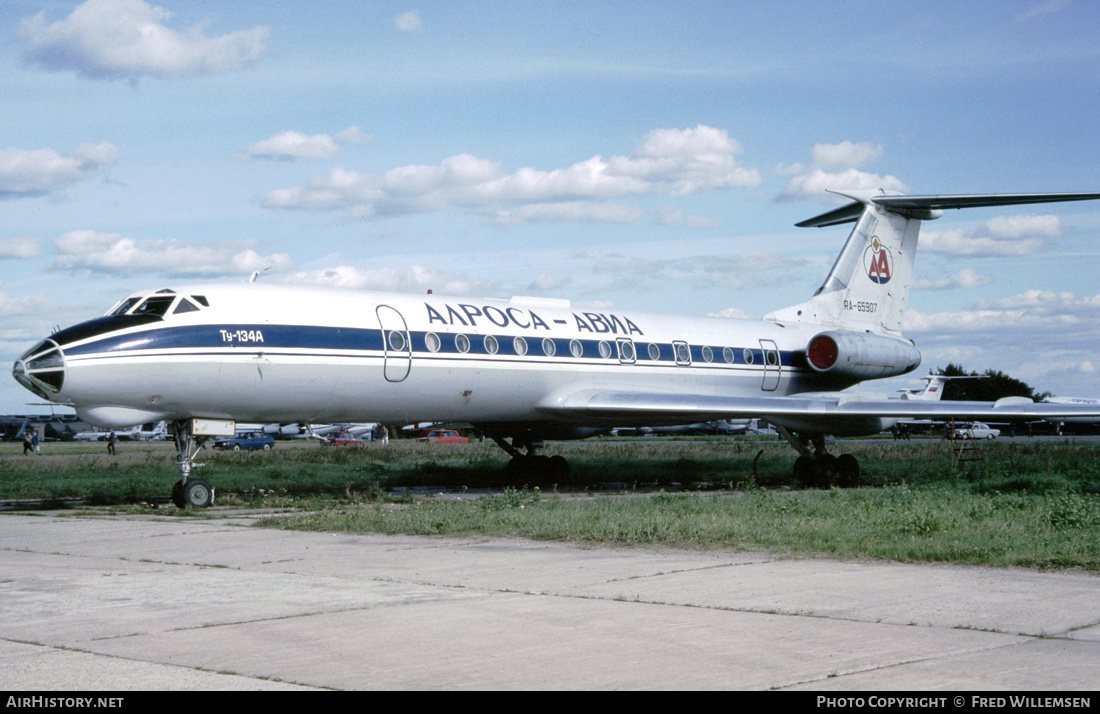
1026	504
1054	530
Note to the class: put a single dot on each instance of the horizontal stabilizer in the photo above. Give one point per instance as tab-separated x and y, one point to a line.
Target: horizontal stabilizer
923	204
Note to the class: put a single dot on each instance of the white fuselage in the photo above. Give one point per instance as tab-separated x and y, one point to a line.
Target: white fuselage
272	353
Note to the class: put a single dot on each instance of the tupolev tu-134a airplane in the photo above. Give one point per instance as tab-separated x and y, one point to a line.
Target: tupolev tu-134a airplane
522	370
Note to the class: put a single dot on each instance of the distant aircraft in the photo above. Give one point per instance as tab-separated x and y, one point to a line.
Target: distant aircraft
158	432
521	370
1073	420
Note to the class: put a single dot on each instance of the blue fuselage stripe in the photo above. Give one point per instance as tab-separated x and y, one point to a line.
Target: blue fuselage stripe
223	339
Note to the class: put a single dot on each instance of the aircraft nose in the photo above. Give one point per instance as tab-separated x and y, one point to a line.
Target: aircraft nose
41	369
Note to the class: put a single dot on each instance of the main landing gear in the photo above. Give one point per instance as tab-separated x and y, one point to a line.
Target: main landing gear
531	466
817	468
188	491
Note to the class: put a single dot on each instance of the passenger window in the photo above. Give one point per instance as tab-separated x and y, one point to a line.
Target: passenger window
708	354
605	350
654	351
521	346
626	350
431	341
548	347
462	343
576	348
727	354
491	344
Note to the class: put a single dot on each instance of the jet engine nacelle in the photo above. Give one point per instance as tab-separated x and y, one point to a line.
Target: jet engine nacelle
861	355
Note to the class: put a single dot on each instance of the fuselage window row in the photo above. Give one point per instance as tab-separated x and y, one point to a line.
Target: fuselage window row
625	350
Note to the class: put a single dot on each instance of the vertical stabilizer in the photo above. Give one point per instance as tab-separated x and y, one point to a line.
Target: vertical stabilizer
868	287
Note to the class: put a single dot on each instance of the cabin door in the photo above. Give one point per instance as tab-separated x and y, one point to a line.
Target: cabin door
396	345
772	365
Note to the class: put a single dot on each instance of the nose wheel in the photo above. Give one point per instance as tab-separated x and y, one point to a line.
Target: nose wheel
193	492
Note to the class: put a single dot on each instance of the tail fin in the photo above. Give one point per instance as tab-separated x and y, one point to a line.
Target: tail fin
868	288
933	391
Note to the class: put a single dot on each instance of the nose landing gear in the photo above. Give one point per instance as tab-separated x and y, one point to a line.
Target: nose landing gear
193	492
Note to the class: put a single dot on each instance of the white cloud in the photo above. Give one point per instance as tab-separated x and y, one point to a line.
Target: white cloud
564	212
670	161
39	172
733	312
23	306
834	166
19	247
750	271
546	281
676	217
114	253
966	278
1000	236
296	145
1012	227
413	279
1042	9
115	39
407	21
845	155
1033	316
816	183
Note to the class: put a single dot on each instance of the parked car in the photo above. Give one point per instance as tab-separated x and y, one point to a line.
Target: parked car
341	438
444	436
249	442
977	430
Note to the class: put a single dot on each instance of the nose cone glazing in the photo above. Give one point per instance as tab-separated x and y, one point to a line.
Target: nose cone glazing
41	369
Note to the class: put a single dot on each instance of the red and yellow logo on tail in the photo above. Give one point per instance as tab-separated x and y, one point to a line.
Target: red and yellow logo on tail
877	262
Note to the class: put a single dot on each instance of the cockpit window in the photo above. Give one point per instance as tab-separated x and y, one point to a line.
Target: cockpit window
200	299
155	306
124	307
184	306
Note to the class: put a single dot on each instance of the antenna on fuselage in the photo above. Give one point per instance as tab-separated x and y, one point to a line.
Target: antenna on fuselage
256	274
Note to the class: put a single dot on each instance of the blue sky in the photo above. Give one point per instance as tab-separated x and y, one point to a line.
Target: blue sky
640	155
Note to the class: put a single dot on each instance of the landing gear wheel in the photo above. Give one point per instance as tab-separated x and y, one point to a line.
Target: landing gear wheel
559	468
537	470
826	470
804	471
847	467
196	493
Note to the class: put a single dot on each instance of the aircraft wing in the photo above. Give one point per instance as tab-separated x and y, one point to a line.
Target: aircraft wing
827	412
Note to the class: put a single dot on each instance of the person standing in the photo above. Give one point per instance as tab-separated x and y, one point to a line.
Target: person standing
34	443
111	441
